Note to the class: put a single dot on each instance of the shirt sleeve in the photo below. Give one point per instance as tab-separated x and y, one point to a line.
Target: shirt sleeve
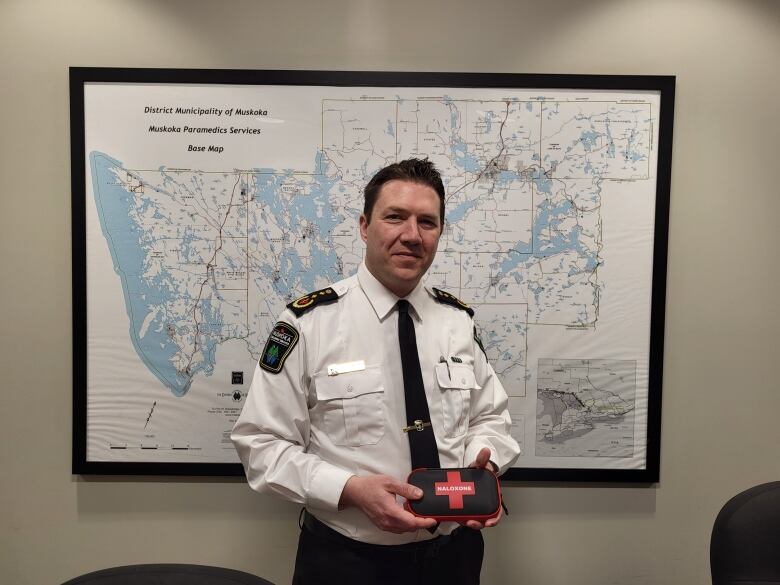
271	435
489	421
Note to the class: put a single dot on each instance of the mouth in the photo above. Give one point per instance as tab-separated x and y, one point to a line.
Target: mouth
406	255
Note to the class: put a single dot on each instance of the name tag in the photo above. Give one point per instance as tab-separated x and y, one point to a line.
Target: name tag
336	369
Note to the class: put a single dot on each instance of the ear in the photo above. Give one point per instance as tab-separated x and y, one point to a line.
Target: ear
363	227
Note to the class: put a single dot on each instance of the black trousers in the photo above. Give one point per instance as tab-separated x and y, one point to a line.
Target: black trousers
325	556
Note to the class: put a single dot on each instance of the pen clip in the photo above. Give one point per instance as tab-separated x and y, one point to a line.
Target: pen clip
443	360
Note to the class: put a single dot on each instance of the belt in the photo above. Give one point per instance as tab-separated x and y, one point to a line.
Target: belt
321	530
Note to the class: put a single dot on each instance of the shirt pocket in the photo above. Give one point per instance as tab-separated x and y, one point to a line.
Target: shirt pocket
353	406
455	383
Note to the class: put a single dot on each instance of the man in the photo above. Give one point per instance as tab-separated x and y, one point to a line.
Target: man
325	422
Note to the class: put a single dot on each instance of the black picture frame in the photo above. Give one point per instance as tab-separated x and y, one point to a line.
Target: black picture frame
662	85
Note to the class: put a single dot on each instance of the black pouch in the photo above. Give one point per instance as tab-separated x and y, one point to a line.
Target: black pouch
456	495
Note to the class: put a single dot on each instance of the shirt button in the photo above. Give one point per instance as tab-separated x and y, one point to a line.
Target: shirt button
350	388
463	380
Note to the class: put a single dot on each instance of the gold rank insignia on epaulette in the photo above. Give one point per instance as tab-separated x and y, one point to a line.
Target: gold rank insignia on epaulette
306	302
448	299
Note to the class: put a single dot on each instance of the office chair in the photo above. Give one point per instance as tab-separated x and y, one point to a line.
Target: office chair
167	574
745	543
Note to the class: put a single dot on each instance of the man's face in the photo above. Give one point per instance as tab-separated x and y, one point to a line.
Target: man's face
403	234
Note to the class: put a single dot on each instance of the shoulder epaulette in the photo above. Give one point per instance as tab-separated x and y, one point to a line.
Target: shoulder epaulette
310	300
479	341
448	299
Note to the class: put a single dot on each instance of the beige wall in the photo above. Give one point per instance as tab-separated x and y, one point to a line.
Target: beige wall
722	362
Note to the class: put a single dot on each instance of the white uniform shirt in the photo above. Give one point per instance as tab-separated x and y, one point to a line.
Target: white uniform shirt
302	433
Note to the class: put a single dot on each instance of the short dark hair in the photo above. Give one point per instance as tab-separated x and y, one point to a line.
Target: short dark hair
416	170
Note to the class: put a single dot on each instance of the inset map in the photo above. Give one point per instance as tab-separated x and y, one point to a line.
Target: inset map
585	408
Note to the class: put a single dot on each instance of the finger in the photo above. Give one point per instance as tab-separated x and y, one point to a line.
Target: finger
406	490
408	522
415	522
425	522
482	458
490	522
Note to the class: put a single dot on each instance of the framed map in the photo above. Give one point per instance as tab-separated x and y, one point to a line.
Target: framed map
206	200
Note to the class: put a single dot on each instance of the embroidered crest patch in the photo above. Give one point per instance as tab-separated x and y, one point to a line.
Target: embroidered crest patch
280	343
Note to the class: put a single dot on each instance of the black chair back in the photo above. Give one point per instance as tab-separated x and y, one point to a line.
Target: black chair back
167	574
745	543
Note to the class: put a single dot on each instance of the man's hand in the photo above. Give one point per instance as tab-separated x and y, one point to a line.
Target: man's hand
483	461
375	495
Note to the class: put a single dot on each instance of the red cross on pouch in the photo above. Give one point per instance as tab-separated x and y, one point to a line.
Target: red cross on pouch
455	489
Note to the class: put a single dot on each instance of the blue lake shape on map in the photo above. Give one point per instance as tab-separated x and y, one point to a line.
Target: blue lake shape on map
128	253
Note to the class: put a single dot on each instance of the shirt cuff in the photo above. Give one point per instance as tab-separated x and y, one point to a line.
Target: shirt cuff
326	486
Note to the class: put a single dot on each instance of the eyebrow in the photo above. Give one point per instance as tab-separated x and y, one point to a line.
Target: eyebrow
401	210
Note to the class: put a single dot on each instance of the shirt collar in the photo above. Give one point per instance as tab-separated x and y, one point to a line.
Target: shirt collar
382	300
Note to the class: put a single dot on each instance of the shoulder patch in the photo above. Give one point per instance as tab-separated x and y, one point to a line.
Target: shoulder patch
280	343
306	302
448	299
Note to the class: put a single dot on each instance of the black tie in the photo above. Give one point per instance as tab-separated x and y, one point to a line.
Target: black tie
422	441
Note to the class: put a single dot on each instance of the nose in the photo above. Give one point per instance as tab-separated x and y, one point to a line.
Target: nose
411	232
